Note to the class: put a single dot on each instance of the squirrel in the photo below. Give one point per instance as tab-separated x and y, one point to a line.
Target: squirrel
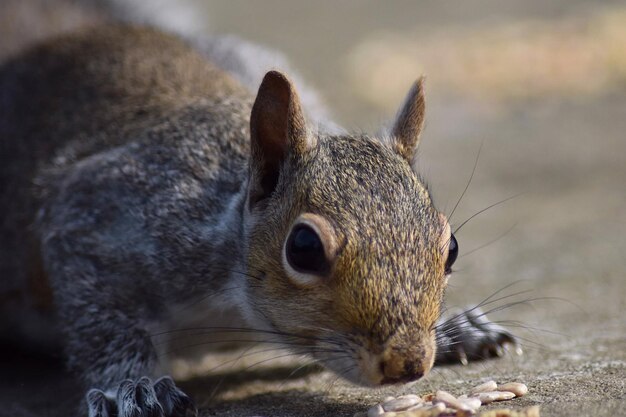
137	176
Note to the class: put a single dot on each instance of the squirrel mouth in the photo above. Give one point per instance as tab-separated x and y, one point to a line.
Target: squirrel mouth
371	370
399	360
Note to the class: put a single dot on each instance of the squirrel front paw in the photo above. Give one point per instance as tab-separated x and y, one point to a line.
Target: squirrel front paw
142	399
470	335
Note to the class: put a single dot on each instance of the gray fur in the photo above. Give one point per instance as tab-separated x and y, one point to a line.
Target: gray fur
127	212
127	175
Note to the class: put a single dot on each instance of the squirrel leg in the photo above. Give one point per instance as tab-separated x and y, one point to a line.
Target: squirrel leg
141	398
121	359
108	345
469	336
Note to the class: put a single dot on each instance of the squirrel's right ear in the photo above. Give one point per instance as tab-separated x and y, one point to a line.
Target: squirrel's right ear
277	129
410	121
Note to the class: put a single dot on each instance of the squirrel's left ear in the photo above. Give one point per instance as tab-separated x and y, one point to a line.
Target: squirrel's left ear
278	129
410	121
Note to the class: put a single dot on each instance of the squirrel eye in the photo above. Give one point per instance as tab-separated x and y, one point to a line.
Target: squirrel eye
305	251
453	251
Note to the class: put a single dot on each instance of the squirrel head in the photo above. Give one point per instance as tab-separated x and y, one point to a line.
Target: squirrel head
348	257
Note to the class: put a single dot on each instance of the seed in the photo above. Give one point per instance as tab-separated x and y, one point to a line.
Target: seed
419	406
427	406
444	404
423	412
486	387
473	403
416	413
515	387
451	401
488	397
438	407
375	411
400	404
416	397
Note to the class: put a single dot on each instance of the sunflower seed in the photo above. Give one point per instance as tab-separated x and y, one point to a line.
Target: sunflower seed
516	388
485	387
473	403
375	411
489	397
400	404
451	401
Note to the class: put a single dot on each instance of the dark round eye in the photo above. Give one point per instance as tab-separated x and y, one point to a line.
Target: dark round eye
305	251
453	251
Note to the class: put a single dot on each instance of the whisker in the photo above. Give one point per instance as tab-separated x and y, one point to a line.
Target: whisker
490	242
257	352
228	270
486	301
210	329
485	209
211	342
527	302
521	325
211	295
313	362
468	182
339	374
214	392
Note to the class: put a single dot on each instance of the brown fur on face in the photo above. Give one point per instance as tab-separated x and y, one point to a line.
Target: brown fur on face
382	297
387	281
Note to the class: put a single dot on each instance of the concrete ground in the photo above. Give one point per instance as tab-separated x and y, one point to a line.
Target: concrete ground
560	245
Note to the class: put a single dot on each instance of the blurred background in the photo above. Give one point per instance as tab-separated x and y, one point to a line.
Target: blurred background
541	86
539	90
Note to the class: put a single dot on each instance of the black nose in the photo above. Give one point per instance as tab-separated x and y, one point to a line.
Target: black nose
399	370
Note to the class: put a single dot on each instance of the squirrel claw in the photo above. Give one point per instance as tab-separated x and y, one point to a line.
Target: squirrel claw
141	398
474	338
99	404
462	356
175	402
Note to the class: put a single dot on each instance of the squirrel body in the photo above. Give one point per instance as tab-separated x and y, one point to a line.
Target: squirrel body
84	109
138	177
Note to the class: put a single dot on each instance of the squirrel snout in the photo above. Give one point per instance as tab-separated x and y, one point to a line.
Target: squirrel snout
399	366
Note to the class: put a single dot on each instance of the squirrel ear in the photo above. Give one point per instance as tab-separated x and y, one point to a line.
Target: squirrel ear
410	121
277	128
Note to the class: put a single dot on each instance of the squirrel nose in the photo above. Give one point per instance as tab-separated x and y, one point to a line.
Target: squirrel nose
399	371
398	366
